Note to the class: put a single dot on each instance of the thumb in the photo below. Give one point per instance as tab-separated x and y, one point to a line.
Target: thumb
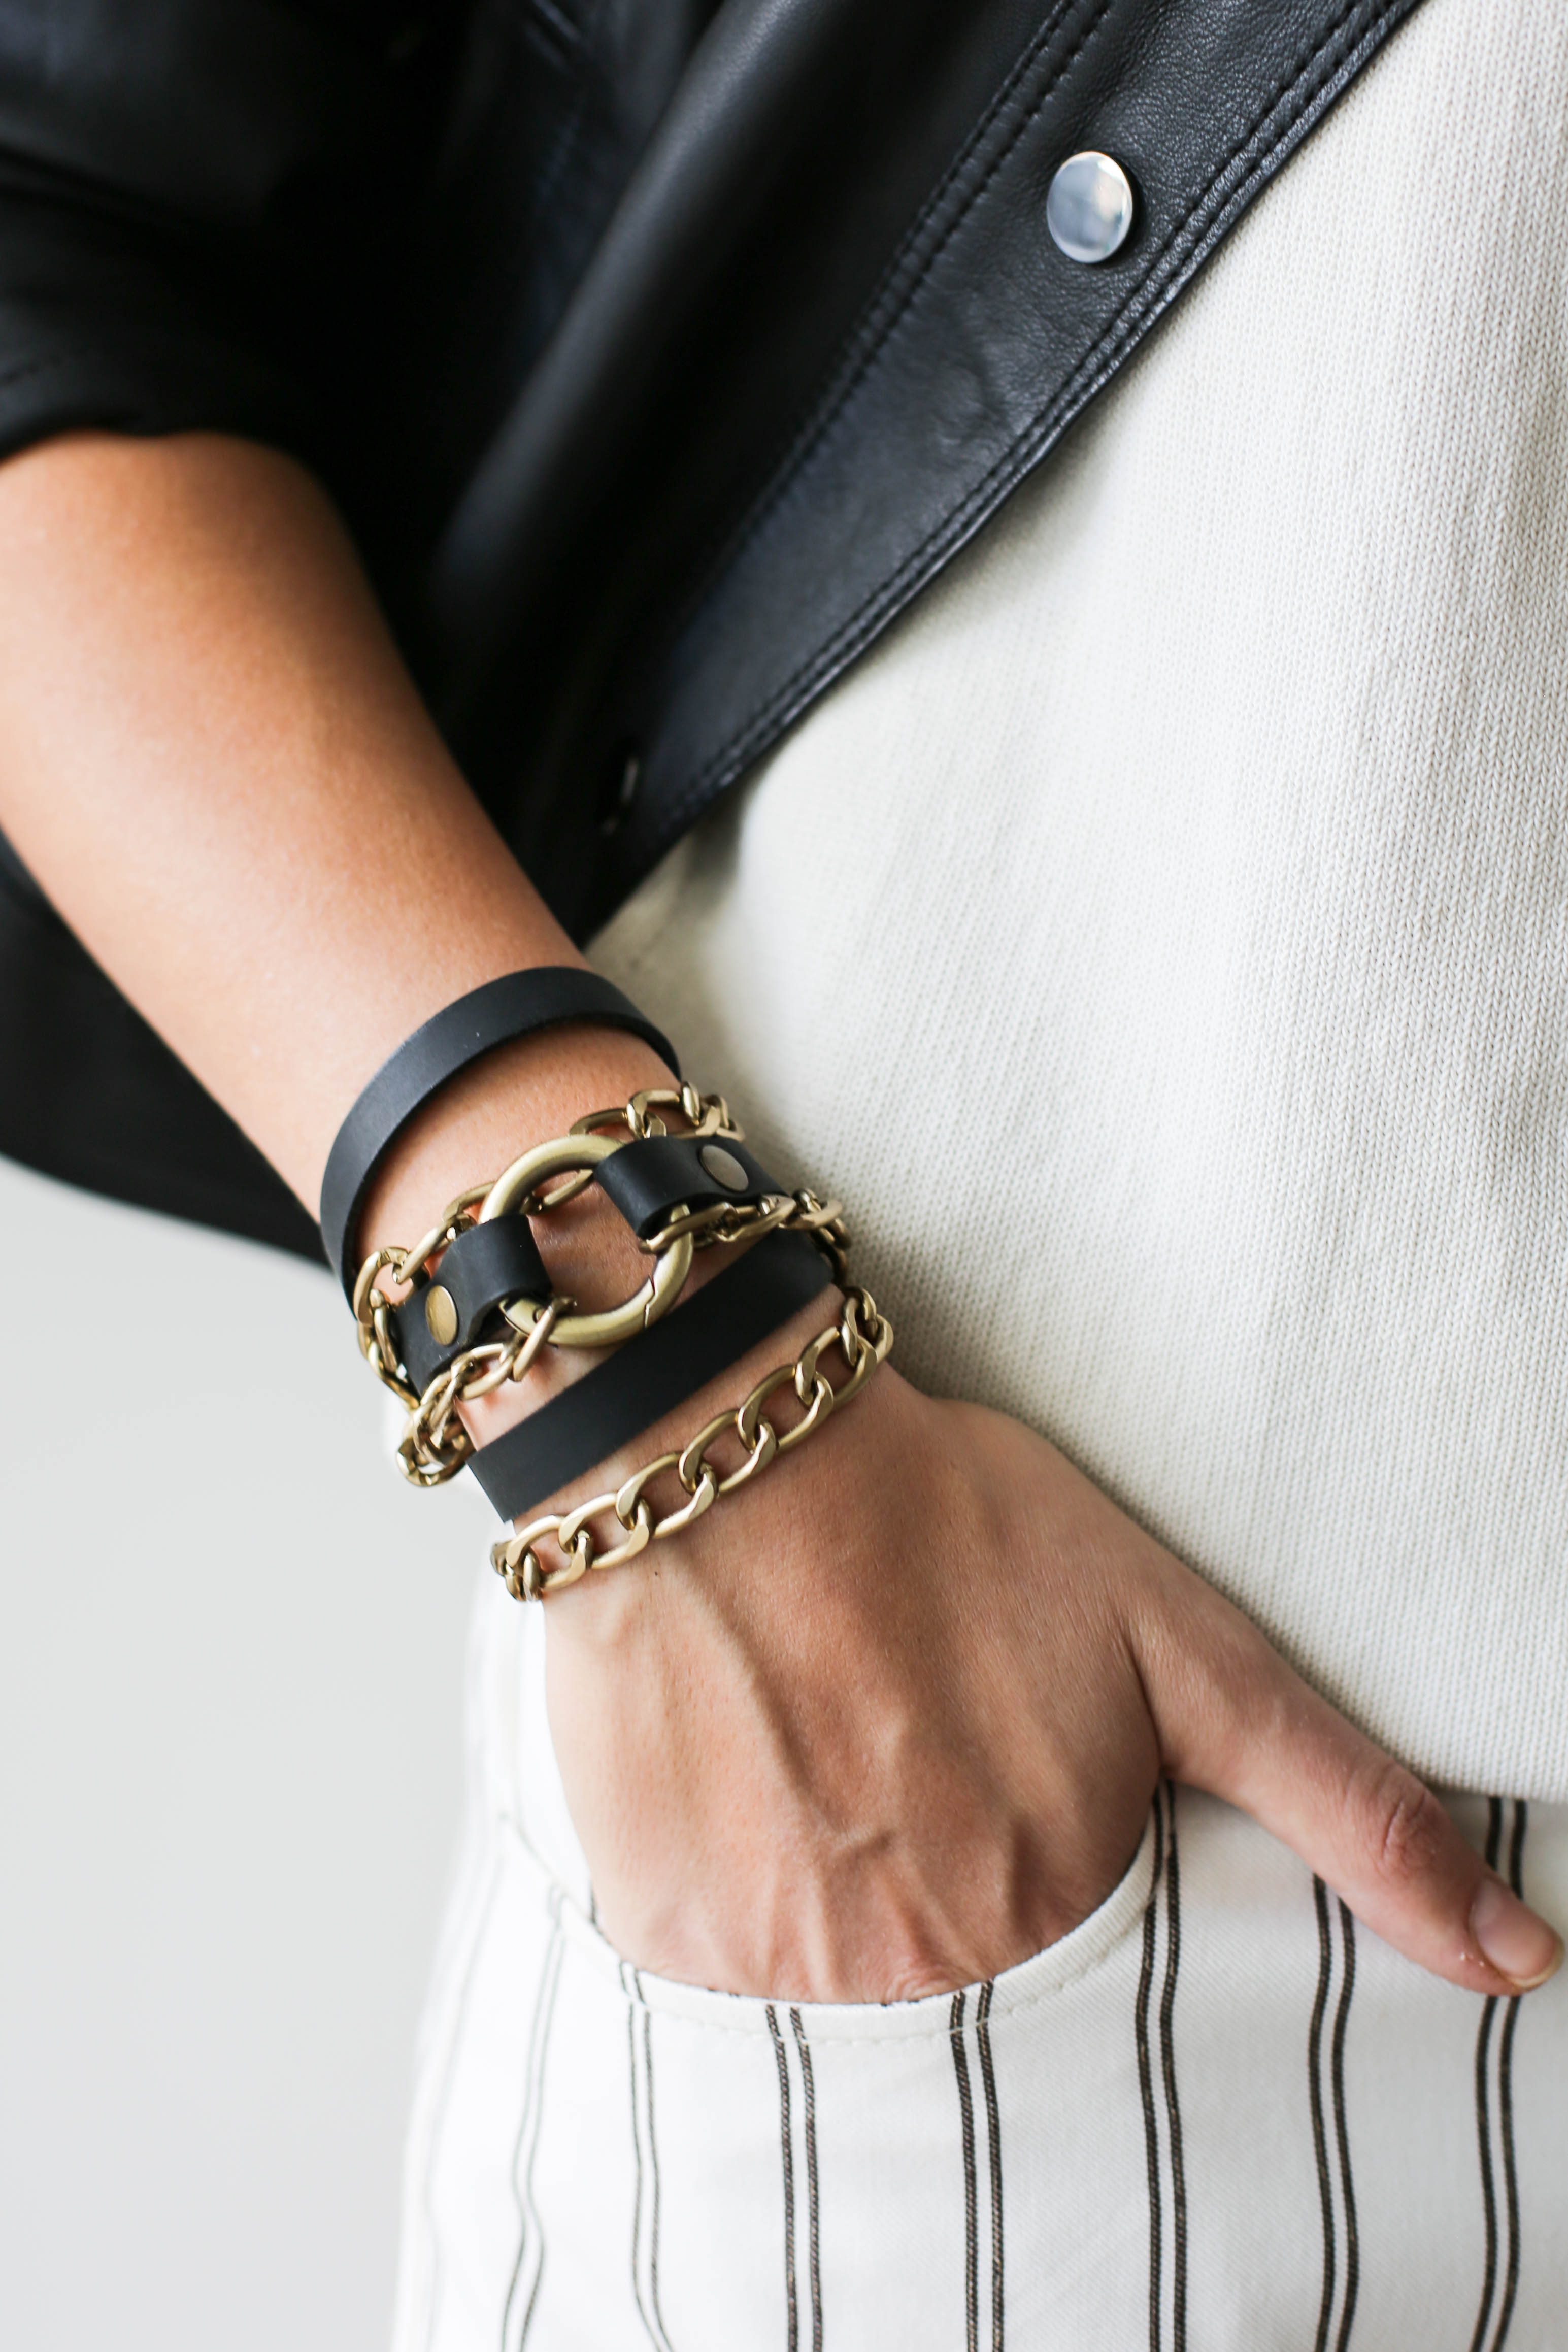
1233	1718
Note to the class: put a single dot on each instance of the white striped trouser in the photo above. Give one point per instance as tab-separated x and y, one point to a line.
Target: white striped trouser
1219	2114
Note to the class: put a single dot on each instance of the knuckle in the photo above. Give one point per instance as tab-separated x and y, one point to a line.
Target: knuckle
1406	1828
918	1980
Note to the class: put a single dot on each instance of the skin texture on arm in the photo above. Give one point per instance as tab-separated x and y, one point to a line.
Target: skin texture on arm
887	1721
217	765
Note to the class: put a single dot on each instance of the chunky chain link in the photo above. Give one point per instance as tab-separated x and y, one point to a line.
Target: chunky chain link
706	1115
435	1445
727	1221
373	1309
864	1336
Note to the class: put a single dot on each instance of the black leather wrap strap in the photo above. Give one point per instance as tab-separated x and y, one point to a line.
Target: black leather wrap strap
514	1006
659	1370
486	1266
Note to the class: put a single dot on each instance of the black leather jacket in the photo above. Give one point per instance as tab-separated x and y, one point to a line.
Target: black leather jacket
658	352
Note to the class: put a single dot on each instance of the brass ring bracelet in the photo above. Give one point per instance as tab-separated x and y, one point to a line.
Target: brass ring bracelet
478	1306
519	1004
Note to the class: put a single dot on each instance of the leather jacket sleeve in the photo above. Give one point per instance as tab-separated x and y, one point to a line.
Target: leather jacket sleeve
343	227
196	204
658	352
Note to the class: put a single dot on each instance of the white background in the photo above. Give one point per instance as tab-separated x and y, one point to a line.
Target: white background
230	1756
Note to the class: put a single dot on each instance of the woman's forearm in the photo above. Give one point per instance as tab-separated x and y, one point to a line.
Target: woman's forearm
892	1719
215	765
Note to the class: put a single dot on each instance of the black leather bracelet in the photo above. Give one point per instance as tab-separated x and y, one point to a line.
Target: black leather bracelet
493	1015
648	1181
485	1268
654	1372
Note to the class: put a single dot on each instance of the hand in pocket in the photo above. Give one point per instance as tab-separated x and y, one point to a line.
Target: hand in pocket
892	1719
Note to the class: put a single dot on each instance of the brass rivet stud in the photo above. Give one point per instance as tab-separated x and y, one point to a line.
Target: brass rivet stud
724	1168
440	1314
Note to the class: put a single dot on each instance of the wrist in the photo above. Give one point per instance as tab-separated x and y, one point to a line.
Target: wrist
520	1094
487	1118
454	1095
630	1442
736	1559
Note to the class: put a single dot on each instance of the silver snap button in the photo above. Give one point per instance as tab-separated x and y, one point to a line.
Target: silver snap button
724	1166
1089	206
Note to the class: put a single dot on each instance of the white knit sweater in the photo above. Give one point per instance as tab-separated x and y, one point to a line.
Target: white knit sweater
1159	941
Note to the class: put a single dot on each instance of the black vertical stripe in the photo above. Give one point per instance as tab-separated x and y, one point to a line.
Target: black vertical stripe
653	2168
1510	2174
1516	1848
994	2138
636	2157
1167	2068
1489	2194
646	2185
533	2150
1483	2115
530	2238
1342	2133
782	2061
808	2104
1326	2173
971	2183
1146	2075
491	1884
1505	2101
1315	2093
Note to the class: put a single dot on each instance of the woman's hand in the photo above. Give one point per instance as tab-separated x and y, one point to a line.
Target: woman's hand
890	1720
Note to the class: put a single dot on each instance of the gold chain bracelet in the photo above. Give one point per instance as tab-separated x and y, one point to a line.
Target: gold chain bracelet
435	1445
864	1338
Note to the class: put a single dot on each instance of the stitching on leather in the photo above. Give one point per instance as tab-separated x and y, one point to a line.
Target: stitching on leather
859	350
872	333
853	374
1297	82
867	341
1283	83
865	328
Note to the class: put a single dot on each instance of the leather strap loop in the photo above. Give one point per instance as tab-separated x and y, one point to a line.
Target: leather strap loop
646	1182
514	1006
485	1266
660	1368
